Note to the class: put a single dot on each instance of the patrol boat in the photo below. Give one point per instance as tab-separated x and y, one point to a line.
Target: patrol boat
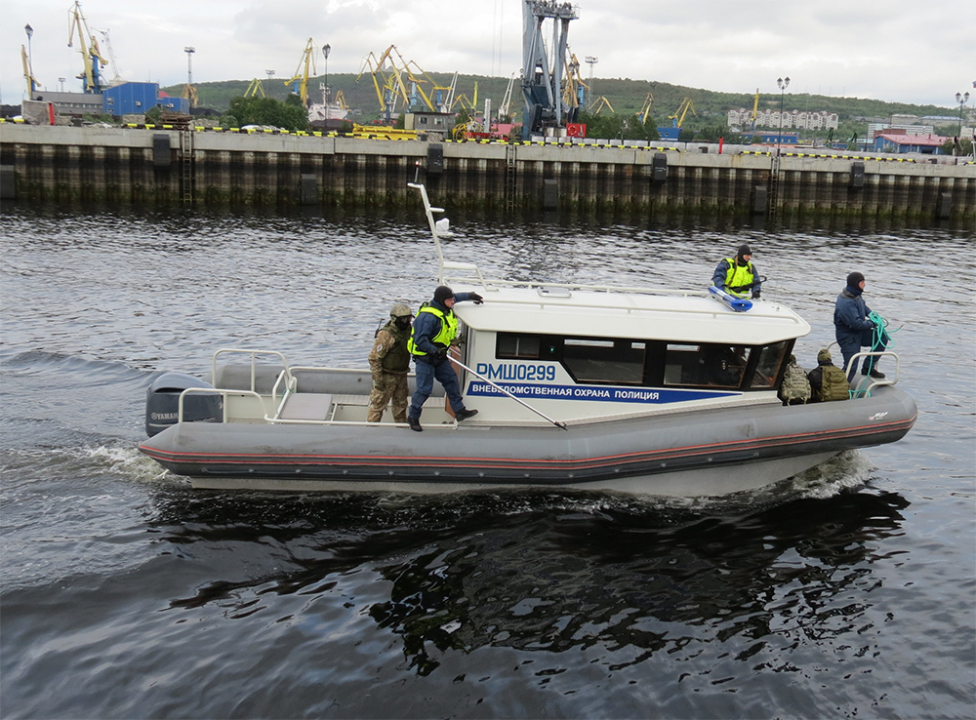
587	387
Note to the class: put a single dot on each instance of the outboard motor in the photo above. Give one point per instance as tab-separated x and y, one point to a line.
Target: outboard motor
163	402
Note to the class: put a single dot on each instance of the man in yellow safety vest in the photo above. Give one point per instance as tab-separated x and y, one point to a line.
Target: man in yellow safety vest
737	276
434	329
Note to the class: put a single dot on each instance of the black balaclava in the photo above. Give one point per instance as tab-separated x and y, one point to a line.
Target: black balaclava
740	256
442	293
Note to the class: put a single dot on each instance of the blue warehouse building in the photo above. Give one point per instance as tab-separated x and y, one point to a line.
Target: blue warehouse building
135	97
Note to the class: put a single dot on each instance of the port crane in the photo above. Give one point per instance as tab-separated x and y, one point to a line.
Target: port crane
503	109
645	111
117	78
463	101
299	80
445	96
755	109
392	74
574	88
388	83
601	103
542	79
679	116
88	47
255	89
418	78
28	73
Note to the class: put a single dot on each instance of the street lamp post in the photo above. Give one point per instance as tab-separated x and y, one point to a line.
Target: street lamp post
326	49
961	98
30	62
783	83
189	64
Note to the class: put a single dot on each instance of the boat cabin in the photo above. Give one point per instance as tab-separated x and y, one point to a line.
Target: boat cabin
618	350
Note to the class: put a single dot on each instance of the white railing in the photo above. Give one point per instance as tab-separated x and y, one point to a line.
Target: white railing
215	391
245	351
442	228
874	382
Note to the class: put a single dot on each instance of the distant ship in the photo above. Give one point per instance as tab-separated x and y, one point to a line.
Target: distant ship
335	110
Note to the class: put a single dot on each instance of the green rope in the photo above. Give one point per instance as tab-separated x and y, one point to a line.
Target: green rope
881	330
877	335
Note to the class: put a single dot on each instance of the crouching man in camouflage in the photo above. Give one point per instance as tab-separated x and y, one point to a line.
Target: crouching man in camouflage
389	361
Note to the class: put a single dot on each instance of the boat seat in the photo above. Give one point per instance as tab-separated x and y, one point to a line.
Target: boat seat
306	406
358	400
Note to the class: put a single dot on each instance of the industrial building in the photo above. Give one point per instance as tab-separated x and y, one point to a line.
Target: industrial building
899	141
129	98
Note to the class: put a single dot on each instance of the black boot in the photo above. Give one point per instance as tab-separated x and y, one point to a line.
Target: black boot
465	414
415	424
873	372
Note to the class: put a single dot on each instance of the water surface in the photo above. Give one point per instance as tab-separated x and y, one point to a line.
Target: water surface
848	591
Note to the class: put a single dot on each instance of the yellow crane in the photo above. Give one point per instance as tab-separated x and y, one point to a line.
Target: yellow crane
755	109
679	116
645	111
255	89
28	74
392	73
88	48
388	83
299	81
419	78
601	103
463	101
572	97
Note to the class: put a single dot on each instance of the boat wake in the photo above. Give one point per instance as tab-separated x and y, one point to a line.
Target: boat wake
851	469
24	466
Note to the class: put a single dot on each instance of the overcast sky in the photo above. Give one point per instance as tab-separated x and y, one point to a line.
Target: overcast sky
896	50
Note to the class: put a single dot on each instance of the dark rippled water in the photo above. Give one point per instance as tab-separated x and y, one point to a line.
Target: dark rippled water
847	592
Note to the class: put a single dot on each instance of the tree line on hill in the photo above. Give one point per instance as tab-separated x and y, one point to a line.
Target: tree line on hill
705	121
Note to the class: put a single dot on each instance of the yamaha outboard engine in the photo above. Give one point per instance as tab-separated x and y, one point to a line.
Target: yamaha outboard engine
163	402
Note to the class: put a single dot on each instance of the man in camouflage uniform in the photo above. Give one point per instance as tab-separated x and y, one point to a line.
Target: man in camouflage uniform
389	361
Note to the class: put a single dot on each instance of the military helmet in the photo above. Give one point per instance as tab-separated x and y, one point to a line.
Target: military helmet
401	310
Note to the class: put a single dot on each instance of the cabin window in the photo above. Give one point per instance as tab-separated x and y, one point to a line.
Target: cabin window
513	346
769	366
652	363
518	347
704	365
617	362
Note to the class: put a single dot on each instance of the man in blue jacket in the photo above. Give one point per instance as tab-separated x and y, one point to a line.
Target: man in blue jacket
853	329
434	329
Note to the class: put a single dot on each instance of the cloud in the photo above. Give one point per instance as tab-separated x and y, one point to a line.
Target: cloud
897	51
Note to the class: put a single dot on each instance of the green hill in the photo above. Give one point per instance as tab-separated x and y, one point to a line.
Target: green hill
624	95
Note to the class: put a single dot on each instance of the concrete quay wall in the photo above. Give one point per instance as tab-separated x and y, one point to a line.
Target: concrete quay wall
166	165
